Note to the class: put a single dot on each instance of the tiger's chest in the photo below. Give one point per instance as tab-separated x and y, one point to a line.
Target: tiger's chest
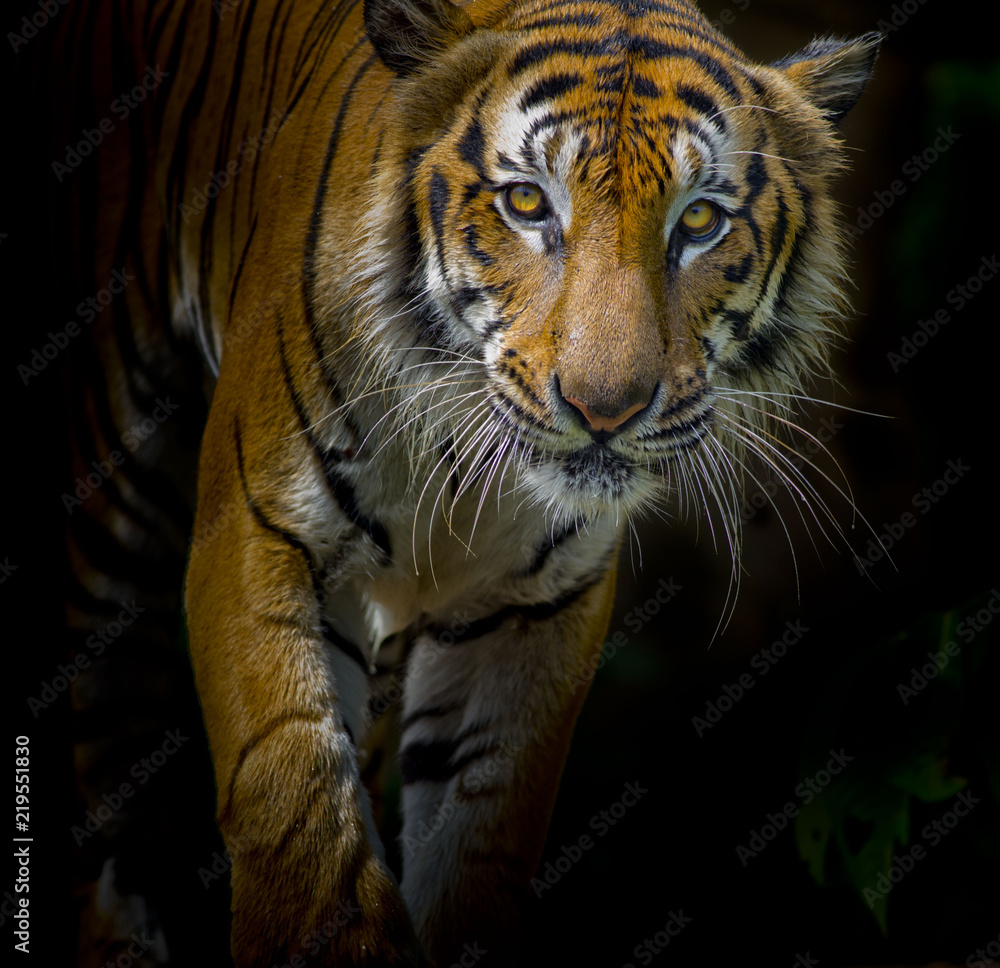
435	553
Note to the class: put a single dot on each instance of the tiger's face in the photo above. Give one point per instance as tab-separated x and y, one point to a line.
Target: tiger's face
624	228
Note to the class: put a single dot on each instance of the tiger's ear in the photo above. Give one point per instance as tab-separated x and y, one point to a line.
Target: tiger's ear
408	33
832	73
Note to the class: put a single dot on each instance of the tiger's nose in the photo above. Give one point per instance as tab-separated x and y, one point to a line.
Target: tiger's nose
607	416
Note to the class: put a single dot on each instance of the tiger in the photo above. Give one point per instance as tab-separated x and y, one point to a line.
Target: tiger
420	306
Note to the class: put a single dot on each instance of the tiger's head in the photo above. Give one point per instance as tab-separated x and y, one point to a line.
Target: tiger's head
607	238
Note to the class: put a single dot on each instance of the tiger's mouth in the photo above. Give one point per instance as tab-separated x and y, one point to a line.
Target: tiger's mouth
622	470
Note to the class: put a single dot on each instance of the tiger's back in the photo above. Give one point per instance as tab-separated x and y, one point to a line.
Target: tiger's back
448	294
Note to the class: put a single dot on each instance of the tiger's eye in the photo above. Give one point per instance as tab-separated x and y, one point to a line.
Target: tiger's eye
526	201
700	219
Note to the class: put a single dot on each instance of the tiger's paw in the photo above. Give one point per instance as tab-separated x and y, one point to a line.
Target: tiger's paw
364	924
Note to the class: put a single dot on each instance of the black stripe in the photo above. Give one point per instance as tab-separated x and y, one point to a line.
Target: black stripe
345	645
709	349
643	8
622	44
259	516
239	267
428	761
341	490
756	173
176	171
312	36
494	326
538	612
465	297
701	103
315	226
222	152
472	144
550	87
548	545
588	19
794	257
472	246
778	235
439	195
645	87
428	712
761	350
539	51
253	743
432	760
739	273
738	320
710	65
698	427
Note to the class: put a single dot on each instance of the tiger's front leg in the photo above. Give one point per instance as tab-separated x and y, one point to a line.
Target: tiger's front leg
487	719
307	875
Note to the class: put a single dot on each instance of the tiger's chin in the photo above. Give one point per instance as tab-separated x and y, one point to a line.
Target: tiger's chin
593	481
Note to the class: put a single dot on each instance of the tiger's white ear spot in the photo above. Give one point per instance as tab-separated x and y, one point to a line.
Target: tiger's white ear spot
832	73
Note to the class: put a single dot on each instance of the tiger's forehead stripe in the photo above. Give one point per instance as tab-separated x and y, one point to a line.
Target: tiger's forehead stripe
631	82
592	28
629	86
623	44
